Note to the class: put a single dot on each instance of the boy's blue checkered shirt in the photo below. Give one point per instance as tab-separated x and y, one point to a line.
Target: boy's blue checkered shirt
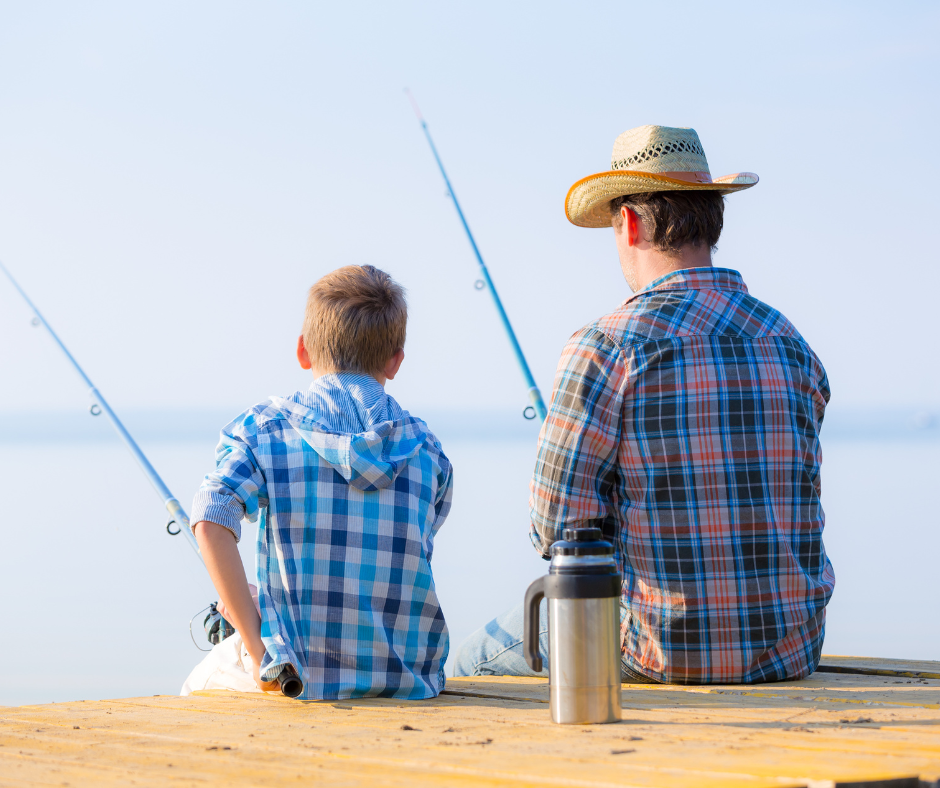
348	491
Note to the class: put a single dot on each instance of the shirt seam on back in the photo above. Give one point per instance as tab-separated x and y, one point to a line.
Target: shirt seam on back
623	346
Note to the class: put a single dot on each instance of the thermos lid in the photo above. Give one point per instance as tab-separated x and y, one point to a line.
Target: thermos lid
582	542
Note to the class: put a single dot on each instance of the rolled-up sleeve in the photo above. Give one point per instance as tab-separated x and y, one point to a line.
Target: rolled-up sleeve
236	489
576	469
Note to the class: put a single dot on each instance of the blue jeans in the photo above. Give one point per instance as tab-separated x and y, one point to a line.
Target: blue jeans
496	649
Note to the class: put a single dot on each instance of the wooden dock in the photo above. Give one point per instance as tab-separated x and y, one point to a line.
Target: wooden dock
836	728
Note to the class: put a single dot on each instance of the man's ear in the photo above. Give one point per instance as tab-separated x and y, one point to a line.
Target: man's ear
393	365
302	355
631	225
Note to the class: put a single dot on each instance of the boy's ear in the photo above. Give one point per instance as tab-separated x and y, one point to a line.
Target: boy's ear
394	364
302	355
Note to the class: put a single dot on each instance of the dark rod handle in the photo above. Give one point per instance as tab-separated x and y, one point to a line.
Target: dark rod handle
290	682
530	643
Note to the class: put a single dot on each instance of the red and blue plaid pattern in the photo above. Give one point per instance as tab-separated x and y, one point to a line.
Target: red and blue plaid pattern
686	425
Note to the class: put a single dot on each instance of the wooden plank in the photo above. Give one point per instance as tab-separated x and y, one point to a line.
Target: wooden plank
839	691
489	732
873	666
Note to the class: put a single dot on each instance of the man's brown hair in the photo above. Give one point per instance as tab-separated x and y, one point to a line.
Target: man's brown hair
355	320
674	219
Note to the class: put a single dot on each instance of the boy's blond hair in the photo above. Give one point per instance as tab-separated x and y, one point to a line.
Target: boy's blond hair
355	320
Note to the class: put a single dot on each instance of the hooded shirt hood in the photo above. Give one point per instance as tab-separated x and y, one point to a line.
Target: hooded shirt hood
356	428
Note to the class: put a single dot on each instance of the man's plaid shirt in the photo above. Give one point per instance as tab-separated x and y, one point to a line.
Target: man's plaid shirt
686	425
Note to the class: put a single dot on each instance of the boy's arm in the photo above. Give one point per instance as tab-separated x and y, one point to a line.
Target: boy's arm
220	552
236	489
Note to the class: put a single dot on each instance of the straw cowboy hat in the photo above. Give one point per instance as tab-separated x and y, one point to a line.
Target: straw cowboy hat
648	159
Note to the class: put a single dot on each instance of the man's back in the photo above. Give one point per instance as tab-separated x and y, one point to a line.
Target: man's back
687	423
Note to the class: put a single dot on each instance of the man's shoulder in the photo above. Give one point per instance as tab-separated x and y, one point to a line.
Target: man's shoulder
640	326
673	314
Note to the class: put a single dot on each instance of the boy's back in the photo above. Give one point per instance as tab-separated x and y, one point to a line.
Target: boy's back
348	491
351	490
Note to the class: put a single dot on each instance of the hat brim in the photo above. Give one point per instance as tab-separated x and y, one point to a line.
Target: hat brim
588	201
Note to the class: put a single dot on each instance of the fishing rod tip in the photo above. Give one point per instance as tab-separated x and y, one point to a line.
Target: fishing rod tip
414	104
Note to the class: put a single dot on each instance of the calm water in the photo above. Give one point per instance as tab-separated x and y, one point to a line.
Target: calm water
99	597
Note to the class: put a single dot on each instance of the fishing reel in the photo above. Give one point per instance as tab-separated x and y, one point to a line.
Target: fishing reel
217	628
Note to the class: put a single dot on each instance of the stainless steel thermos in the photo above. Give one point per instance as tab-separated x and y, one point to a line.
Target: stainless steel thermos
583	592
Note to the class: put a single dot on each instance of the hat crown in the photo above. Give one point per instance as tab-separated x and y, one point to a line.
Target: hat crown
659	149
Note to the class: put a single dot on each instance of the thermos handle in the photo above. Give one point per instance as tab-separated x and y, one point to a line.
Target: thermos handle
530	641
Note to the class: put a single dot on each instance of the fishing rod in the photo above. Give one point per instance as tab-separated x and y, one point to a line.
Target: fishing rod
537	407
179	520
290	682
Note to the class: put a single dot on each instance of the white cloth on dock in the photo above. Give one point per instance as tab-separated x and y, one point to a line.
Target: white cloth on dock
227	666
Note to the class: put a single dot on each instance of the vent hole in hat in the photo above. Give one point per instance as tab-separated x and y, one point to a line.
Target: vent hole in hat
658	149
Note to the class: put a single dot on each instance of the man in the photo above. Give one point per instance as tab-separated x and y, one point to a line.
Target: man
685	424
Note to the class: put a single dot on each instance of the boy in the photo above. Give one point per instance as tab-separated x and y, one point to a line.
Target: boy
348	490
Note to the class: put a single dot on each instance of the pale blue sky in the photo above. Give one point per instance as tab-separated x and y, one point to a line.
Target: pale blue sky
173	176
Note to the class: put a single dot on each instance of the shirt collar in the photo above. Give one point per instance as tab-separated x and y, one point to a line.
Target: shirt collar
696	279
369	388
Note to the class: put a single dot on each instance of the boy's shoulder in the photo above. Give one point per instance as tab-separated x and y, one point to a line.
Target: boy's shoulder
418	423
305	410
261	416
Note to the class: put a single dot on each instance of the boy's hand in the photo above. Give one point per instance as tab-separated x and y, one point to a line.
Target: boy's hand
265	686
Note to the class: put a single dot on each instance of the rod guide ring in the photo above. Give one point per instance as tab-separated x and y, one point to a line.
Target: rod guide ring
94	409
171	532
479	284
529	413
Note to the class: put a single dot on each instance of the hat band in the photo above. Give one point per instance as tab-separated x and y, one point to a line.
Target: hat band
685	175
